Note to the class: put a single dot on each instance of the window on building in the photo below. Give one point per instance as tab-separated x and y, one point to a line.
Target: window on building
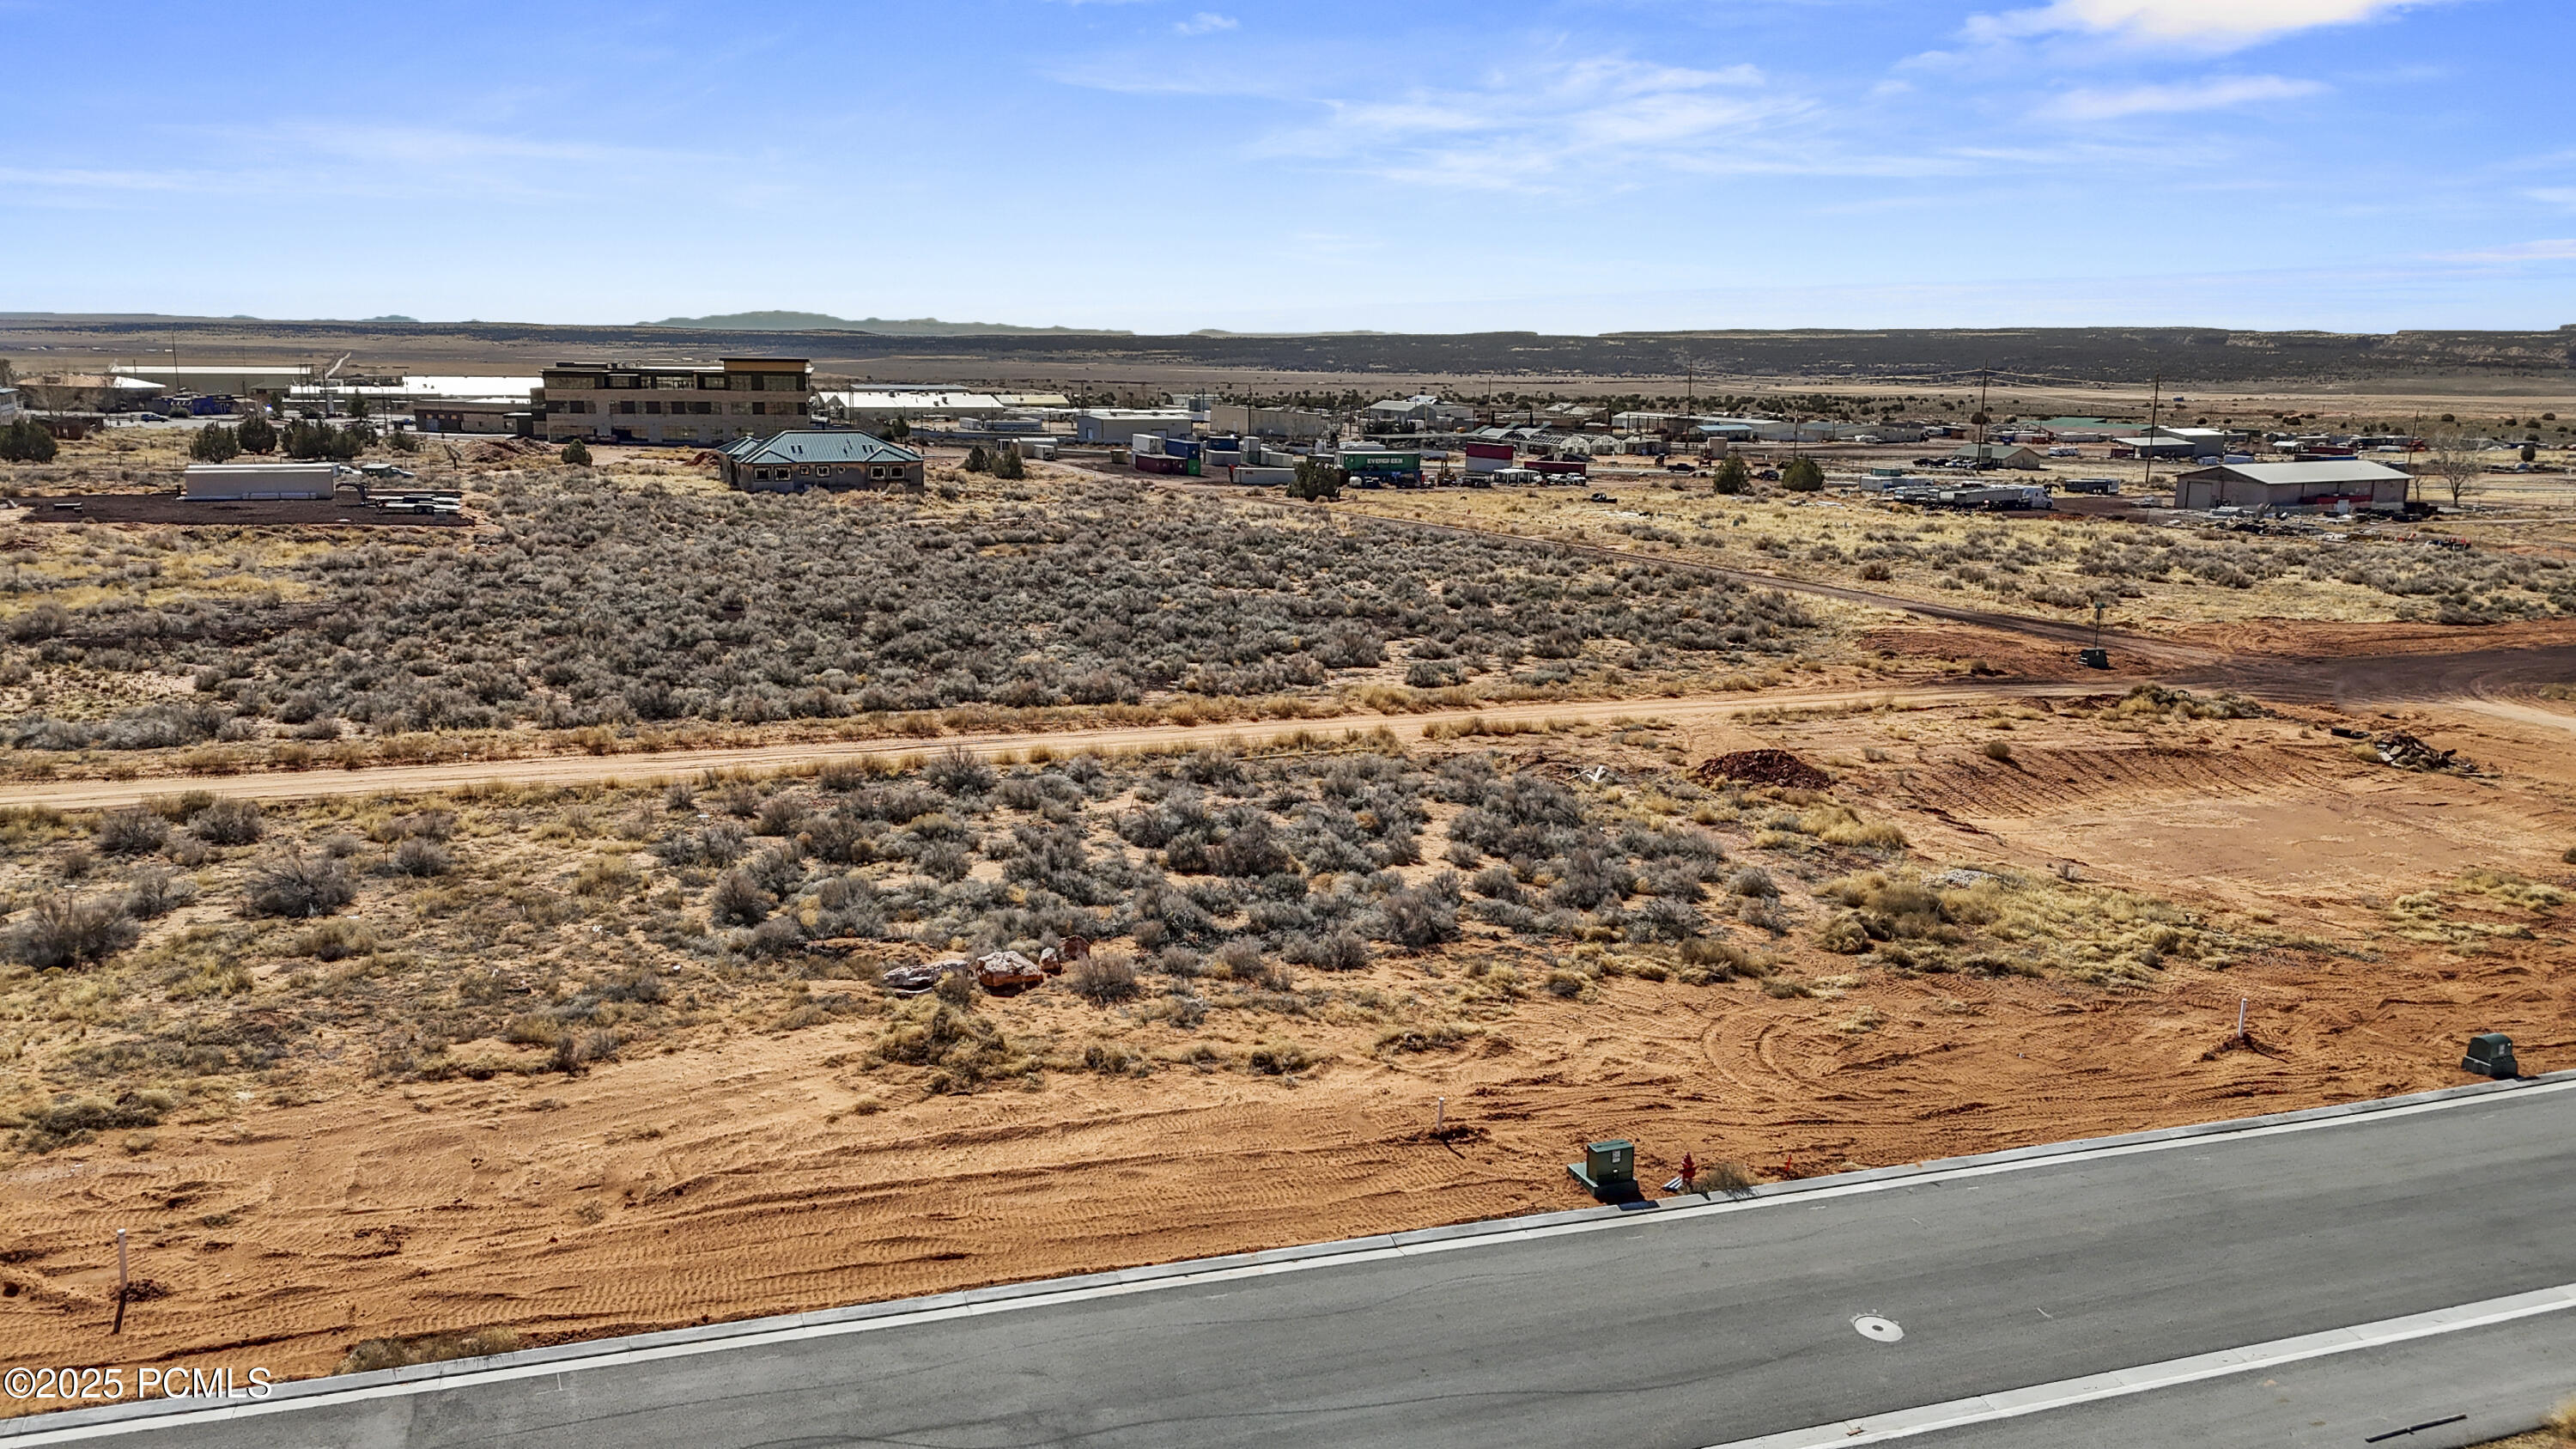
716	381
738	412
760	410
626	405
702	409
652	407
676	380
876	472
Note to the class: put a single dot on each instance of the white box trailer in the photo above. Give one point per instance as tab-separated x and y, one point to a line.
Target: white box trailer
236	482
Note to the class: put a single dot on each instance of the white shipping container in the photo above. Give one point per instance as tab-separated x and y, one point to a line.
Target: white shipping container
213	482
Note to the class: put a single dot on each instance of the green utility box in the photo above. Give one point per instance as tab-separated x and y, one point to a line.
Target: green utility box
2491	1055
1608	1170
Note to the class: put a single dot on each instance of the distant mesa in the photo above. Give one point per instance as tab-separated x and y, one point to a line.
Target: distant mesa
882	326
394	317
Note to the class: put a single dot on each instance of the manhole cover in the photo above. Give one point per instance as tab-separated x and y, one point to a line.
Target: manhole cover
1877	1329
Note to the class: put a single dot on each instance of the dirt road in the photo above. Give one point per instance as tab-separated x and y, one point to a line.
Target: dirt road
688	764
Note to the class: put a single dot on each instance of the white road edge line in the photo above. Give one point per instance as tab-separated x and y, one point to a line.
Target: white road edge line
312	1397
2041	1398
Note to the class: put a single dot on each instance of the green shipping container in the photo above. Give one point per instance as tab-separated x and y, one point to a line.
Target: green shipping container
1383	464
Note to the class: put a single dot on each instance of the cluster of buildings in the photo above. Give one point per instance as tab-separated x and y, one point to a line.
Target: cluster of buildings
772	429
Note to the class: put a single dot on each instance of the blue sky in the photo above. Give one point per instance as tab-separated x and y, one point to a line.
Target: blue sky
1576	167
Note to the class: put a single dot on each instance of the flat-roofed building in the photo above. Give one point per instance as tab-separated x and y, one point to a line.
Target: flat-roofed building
1116	426
221	381
422	394
796	462
475	415
1241	420
877	407
676	402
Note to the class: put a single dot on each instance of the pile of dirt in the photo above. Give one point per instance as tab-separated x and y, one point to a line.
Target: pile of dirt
1761	767
2409	753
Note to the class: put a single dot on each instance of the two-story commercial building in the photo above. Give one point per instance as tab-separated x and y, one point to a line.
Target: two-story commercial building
682	403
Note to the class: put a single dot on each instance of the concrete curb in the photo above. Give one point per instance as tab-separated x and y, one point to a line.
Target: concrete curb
1451	1235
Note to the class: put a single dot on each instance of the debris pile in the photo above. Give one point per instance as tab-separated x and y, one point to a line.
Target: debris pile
1002	973
2409	753
917	978
1007	973
2155	699
1761	767
507	450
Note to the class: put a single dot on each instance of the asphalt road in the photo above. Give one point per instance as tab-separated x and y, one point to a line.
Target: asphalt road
1681	1326
2467	1388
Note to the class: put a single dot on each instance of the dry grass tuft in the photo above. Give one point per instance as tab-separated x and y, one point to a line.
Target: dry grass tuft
371	1354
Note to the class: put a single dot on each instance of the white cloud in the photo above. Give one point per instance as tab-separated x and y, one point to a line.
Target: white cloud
2206	95
2554	196
2555	249
1206	22
1606	116
2224	23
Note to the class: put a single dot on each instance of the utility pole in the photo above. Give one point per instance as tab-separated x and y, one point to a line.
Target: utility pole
2155	410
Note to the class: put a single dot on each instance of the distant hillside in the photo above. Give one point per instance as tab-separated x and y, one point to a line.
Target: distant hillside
2187	357
881	326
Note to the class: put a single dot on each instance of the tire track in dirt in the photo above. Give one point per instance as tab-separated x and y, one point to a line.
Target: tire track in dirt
2048	780
722	1181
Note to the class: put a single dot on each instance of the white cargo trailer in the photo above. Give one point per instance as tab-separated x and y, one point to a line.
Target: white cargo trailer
232	482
